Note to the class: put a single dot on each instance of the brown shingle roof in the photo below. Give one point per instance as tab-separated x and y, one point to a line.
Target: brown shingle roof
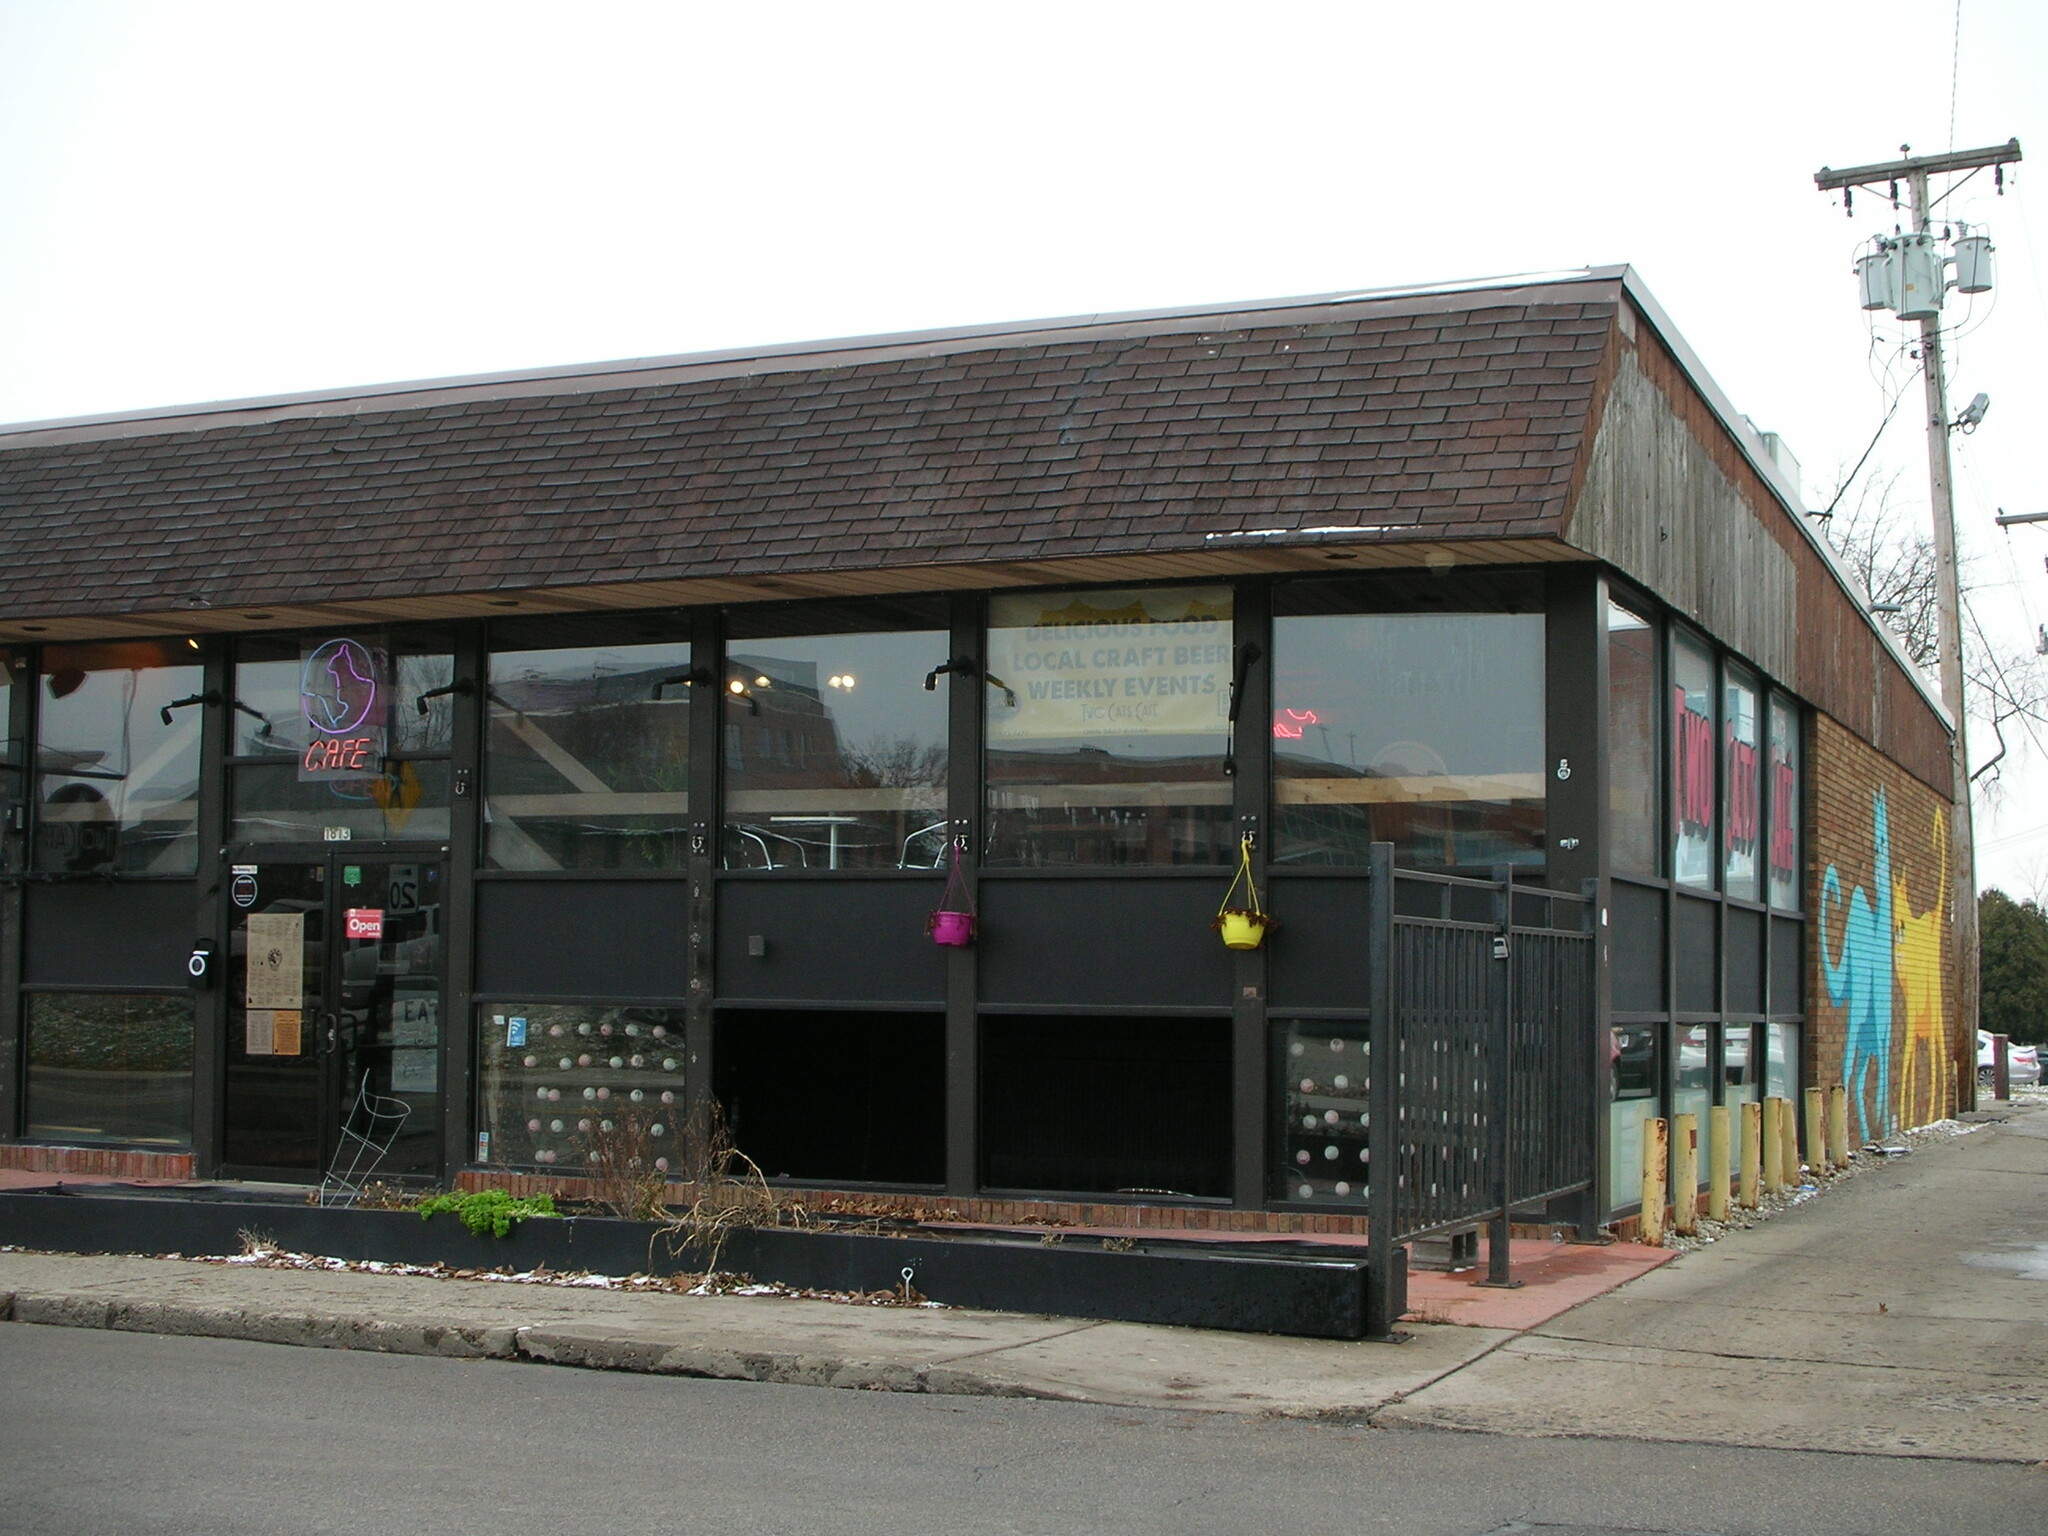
1445	416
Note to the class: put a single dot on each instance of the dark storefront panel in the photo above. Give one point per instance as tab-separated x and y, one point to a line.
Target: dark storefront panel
1316	957
840	1096
1102	943
1106	1105
550	1075
1636	951
1321	1070
1745	979
1788	965
847	940
94	935
110	1068
1698	955
581	938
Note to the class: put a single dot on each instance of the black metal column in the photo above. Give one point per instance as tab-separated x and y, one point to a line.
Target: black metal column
17	796
1499	1067
965	712
1251	751
1386	1280
209	916
1576	780
707	753
458	899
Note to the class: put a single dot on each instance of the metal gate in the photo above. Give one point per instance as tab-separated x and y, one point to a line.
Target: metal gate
1483	1005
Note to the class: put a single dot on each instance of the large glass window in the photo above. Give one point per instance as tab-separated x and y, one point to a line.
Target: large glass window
1738	1068
342	732
587	759
1742	784
1784	803
1108	718
1423	729
1632	726
1636	1064
110	1068
1692	762
553	1077
835	752
117	757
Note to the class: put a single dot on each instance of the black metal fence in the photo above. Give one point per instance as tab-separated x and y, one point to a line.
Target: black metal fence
1483	1004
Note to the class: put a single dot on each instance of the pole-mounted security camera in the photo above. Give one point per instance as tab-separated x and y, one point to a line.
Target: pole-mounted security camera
1974	412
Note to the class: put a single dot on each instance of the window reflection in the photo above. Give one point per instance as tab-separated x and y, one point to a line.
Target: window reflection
1420	729
1783	792
1632	716
1108	714
342	731
110	1068
835	752
588	757
117	754
1742	781
1634	1058
1692	762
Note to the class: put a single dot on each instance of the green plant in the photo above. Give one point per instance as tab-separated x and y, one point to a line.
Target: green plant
488	1210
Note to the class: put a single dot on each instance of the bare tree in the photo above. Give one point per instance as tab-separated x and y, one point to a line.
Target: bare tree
1886	549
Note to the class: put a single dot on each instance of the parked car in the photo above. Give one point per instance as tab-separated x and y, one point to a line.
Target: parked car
2023	1062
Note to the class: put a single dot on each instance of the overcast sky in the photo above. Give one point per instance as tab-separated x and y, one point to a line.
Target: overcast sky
205	201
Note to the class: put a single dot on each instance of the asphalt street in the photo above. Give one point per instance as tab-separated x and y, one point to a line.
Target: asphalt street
122	1432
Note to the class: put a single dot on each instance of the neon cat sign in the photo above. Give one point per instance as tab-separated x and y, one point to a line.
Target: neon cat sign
339	694
1288	724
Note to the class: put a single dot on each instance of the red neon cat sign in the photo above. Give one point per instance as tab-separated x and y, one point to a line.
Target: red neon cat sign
1288	724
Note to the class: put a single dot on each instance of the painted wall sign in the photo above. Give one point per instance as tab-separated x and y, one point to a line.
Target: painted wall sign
1149	662
276	960
363	923
341	698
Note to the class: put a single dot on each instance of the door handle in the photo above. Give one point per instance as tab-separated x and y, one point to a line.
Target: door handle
328	1024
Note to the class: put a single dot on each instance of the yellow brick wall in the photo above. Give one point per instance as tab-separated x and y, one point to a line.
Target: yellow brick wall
1881	989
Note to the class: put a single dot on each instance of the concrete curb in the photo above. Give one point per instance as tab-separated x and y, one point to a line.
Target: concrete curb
589	1349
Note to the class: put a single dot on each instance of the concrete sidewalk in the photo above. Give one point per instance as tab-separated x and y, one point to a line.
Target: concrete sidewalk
1905	1313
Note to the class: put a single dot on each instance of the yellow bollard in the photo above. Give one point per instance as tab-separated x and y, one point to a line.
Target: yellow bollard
1788	1129
1816	1136
1838	1126
1717	1163
1685	1174
1656	1158
1752	1154
1774	1146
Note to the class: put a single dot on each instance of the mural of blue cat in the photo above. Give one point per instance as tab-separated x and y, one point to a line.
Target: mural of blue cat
1861	982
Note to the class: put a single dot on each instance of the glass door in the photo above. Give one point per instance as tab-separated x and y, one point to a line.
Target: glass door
334	996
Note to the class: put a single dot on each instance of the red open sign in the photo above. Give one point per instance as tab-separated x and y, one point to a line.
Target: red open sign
363	923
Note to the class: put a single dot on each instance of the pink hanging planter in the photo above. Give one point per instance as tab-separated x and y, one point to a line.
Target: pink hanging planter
952	926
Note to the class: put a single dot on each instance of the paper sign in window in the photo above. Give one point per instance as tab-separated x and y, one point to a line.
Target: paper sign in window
276	960
261	1023
284	1031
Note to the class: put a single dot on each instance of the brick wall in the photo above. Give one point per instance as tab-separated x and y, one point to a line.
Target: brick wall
1881	995
106	1162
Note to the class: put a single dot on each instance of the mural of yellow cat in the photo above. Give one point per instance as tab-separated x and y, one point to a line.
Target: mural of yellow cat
1916	960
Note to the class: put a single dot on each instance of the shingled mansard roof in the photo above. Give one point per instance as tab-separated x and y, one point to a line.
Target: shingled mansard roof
1432	415
1179	443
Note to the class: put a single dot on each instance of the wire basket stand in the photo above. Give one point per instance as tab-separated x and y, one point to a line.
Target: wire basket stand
367	1136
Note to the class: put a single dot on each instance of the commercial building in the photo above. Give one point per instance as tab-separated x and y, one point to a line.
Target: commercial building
586	744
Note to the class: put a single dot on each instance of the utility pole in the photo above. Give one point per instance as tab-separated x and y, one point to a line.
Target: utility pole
1914	171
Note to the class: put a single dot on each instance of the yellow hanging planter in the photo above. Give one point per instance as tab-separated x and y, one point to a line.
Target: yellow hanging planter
1243	927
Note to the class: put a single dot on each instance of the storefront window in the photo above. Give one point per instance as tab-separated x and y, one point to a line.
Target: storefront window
117	757
1692	762
553	1078
587	757
11	662
1635	1064
110	1068
1783	825
1692	1077
342	733
1420	729
1632	740
1321	1077
1742	784
1738	1068
835	752
1108	718
1781	1061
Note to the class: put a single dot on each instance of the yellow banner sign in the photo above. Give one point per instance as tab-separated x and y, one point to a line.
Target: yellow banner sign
1134	662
